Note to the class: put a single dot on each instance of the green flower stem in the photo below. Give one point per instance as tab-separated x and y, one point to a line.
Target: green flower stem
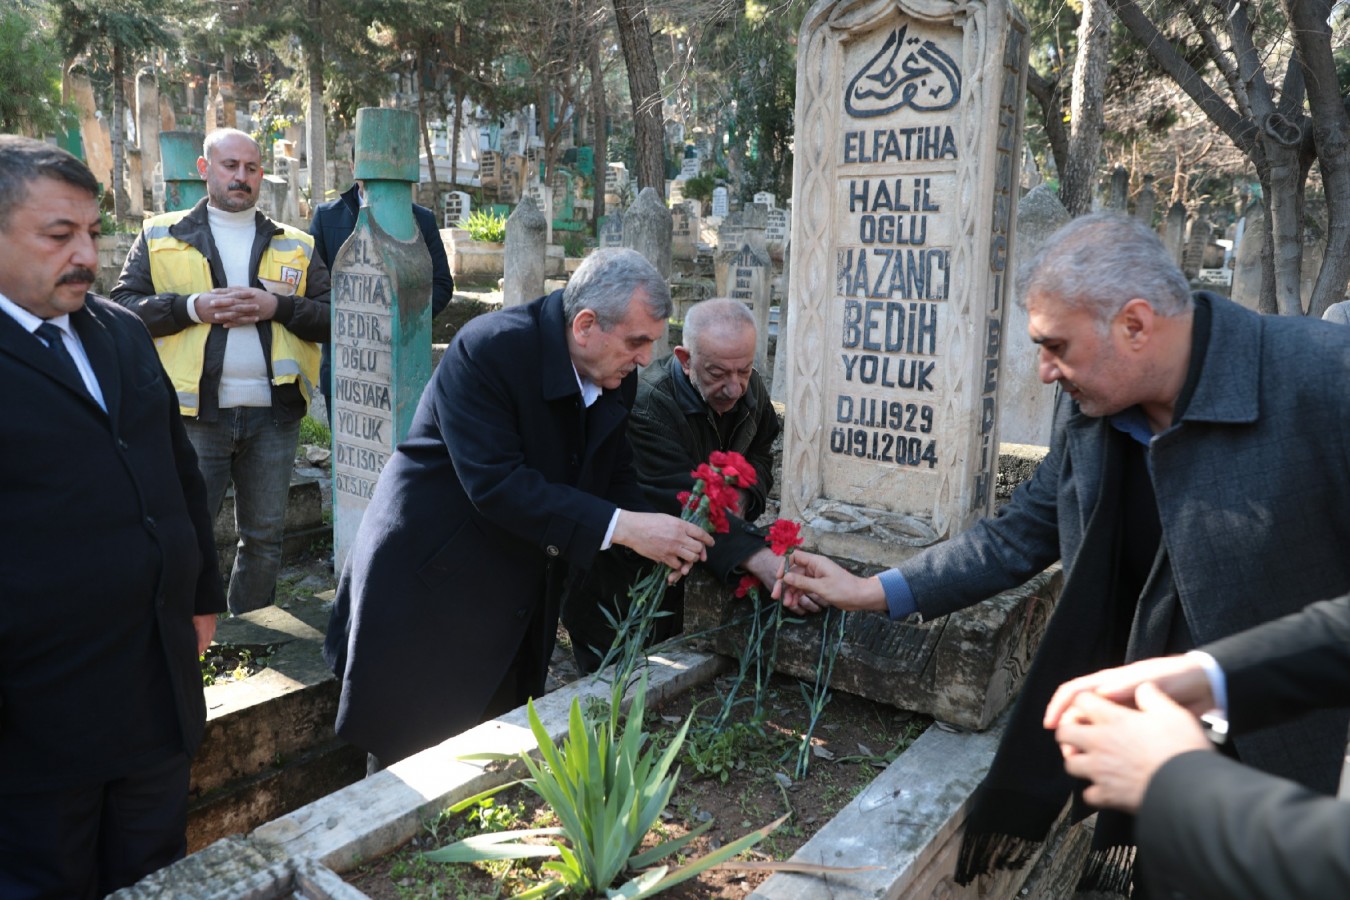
830	640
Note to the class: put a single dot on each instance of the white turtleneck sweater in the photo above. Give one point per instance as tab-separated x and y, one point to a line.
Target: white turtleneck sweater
243	380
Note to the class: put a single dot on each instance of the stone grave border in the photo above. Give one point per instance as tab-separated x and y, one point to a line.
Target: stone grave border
909	839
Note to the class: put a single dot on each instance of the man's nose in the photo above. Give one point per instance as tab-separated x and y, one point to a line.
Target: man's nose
85	251
644	356
1048	369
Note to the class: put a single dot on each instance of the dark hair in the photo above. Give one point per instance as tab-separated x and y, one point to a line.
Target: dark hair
1102	261
605	283
24	160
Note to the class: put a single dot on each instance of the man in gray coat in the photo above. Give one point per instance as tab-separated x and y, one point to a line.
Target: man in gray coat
1199	470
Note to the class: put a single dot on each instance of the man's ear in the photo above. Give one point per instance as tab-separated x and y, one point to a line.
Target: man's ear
582	324
201	166
1136	318
682	354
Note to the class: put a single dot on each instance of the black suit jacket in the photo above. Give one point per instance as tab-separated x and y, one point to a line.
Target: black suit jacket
502	490
106	554
1211	828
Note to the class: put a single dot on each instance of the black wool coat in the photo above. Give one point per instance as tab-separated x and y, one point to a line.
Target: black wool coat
502	491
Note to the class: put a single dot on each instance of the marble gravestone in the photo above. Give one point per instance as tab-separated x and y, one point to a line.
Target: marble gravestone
720	203
381	319
749	272
905	185
611	230
458	206
684	231
766	198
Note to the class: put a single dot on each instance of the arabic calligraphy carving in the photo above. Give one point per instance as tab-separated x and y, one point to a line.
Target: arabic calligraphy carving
906	72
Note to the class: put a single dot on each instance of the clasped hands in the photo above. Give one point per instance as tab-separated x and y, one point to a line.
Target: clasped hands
235	306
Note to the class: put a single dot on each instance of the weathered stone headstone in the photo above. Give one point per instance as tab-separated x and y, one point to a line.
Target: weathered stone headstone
766	198
513	179
489	169
616	181
647	229
689	168
1026	406
458	205
776	231
675	192
906	185
183	185
148	127
748	275
1174	231
720	206
684	223
523	264
730	234
611	230
381	318
1146	201
93	131
1197	236
167	120
134	180
1120	189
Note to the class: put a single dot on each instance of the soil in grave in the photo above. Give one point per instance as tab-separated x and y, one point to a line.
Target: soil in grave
740	779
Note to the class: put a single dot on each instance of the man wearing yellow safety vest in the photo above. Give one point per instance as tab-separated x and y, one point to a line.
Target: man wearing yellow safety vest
237	305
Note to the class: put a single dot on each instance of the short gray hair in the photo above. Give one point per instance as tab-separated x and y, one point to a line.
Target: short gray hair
605	282
720	314
221	134
1102	261
24	160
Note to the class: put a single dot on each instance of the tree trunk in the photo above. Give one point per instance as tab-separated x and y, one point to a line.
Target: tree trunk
600	138
1286	228
1050	96
422	72
118	137
1086	108
644	85
1331	136
456	122
316	119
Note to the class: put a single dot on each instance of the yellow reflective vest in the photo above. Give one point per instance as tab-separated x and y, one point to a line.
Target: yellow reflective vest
180	268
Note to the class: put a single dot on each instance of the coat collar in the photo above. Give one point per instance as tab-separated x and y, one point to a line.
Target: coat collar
98	346
559	375
1229	386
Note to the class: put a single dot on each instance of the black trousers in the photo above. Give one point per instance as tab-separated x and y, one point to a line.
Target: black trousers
88	841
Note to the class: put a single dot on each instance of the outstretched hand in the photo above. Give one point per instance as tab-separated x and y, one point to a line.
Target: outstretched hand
664	539
818	579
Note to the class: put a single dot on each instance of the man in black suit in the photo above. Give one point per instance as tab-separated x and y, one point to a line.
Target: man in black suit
1207	826
108	573
515	474
334	222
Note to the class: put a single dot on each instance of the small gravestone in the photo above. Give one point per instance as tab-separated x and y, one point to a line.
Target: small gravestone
1197	237
611	230
523	262
776	231
1147	200
458	206
647	229
1027	407
148	126
534	164
689	168
1246	289
381	318
675	192
513	179
1174	232
767	199
616	181
489	169
684	232
720	206
730	234
1120	189
183	185
542	196
749	273
901	277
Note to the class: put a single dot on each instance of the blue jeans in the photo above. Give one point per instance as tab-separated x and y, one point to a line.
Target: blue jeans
247	447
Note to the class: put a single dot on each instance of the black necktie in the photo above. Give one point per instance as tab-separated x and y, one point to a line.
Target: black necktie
57	344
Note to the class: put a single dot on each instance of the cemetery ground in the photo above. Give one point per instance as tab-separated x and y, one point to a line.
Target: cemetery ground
739	779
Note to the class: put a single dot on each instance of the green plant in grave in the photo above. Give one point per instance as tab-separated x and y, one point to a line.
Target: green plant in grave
483	225
607	784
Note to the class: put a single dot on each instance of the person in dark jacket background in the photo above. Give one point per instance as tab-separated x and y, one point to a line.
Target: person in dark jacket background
333	223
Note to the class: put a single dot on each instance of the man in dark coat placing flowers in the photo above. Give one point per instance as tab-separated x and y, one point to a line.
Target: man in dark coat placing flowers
516	474
703	399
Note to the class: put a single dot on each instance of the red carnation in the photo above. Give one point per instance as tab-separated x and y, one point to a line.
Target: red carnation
747	584
733	465
784	534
